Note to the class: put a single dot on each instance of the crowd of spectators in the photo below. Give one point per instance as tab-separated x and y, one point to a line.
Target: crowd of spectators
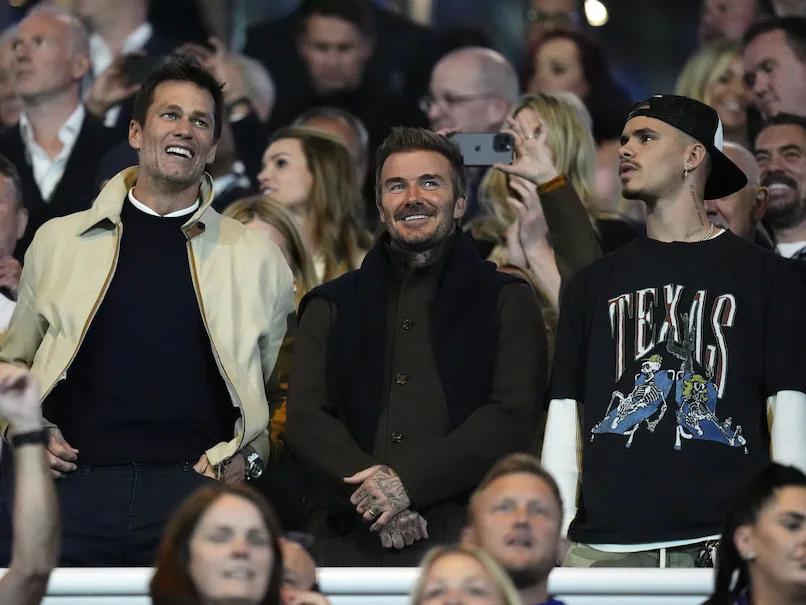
272	264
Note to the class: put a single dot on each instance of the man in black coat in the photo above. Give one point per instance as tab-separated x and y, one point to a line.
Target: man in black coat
413	374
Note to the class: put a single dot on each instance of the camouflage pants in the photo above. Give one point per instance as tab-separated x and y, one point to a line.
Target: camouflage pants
582	555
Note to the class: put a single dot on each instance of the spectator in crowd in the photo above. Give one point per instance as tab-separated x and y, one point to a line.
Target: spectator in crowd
545	16
202	416
13	220
572	62
124	47
759	559
515	515
672	347
730	19
775	65
471	90
56	146
222	545
400	61
10	103
415	372
335	39
781	154
348	129
462	574
742	211
309	173
271	219
535	216
789	8
715	75
300	586
36	512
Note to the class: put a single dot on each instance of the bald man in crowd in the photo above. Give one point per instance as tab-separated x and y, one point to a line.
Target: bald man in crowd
472	90
742	211
57	145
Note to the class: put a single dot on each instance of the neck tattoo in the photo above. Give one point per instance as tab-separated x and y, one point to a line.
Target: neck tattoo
709	233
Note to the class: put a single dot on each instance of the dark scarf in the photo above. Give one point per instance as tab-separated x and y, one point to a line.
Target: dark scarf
464	329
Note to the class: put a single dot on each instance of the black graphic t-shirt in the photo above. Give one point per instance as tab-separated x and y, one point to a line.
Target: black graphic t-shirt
672	349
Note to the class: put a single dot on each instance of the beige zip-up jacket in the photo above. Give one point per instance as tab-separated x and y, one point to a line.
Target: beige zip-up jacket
242	282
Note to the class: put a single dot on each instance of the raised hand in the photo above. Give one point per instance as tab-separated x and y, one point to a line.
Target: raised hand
404	530
533	159
10	271
110	88
19	399
380	495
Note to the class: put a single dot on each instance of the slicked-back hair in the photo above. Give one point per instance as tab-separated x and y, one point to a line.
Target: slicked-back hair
180	68
8	170
404	139
513	464
794	29
783	119
356	12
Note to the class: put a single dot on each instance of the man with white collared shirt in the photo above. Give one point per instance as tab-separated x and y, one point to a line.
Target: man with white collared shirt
117	29
56	146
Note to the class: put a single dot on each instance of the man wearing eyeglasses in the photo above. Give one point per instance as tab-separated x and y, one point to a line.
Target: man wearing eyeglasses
471	90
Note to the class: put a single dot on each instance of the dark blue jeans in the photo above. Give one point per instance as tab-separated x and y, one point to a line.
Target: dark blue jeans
114	515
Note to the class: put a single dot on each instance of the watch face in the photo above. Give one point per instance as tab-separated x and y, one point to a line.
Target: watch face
254	466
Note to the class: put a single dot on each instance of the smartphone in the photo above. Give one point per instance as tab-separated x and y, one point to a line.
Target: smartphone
484	148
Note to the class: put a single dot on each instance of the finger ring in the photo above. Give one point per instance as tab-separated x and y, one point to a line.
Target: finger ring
372	513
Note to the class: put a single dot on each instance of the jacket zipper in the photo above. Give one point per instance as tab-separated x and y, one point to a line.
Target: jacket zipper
222	371
118	230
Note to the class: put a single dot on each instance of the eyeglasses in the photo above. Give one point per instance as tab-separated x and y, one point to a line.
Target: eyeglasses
449	100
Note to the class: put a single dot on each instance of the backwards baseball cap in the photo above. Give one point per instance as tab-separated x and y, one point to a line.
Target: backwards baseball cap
701	122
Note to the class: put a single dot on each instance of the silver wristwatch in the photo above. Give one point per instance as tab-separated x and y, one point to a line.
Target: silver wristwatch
254	465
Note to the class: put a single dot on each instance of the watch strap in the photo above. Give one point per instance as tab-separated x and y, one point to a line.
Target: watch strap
40	437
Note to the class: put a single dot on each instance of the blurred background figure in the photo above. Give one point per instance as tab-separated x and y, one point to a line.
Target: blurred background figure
741	212
462	574
543	16
13	221
270	218
10	102
572	62
730	19
222	545
300	586
310	174
715	76
760	555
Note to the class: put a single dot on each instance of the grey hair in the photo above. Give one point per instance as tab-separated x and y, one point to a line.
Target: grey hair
495	73
342	115
259	83
79	39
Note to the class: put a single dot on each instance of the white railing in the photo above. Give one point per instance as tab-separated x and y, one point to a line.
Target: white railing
390	586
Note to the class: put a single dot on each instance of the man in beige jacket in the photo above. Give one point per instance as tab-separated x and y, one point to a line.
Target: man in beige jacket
153	324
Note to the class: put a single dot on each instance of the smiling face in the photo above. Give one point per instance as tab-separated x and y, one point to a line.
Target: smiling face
781	156
459	579
230	552
177	140
286	176
729	96
777	543
418	203
517	519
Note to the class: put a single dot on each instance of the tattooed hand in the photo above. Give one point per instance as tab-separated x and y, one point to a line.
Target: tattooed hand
380	497
404	530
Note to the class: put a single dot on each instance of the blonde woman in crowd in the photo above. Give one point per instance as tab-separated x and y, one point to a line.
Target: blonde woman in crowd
537	217
462	574
270	218
715	76
311	175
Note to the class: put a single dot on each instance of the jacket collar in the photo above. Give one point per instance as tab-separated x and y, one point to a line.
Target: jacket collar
109	203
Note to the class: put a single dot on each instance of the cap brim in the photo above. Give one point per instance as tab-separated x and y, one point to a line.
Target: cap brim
726	177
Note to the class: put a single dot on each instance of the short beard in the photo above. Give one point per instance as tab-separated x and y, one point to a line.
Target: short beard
786	216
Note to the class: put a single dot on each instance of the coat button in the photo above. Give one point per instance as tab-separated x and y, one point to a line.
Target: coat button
407	324
397	437
401	378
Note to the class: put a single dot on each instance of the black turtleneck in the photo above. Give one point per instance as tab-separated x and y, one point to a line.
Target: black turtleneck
144	386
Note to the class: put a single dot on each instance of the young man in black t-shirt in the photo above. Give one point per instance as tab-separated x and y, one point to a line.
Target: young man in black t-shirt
670	348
